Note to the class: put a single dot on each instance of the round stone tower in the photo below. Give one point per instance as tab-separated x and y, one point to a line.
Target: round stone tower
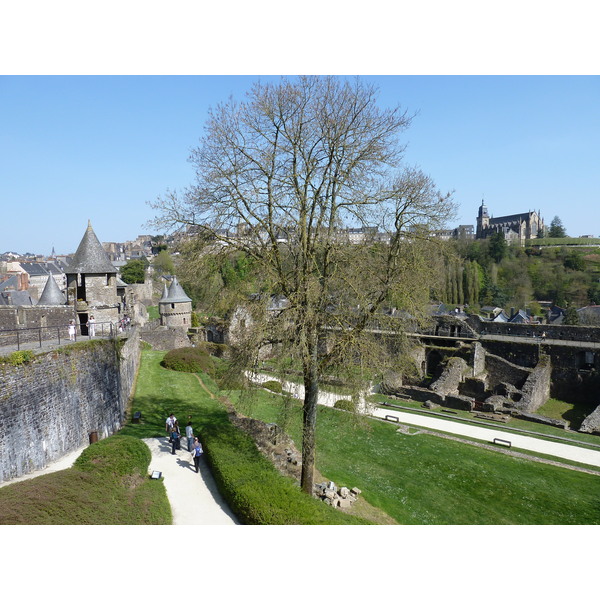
175	308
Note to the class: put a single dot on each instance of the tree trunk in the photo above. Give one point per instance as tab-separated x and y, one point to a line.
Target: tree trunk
311	398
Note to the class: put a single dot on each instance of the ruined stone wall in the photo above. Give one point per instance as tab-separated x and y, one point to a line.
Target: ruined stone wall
452	376
49	407
577	333
500	370
536	390
572	378
164	338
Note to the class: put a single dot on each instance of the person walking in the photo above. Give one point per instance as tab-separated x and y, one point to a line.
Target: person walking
197	452
72	330
189	433
174	439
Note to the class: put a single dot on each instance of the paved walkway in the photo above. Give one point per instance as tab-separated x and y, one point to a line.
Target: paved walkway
194	497
521	442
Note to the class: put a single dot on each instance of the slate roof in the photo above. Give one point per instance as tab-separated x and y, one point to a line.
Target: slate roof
33	269
176	293
90	256
53	268
11	282
52	296
13	298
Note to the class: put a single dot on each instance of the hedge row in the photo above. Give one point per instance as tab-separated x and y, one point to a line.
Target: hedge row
256	492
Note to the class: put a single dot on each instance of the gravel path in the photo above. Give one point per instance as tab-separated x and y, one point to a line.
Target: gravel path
194	497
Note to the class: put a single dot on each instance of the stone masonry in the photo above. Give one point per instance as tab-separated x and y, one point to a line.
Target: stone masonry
50	406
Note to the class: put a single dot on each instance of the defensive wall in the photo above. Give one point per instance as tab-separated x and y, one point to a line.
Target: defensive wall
62	400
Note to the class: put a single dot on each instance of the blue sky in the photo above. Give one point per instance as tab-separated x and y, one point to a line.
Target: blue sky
74	148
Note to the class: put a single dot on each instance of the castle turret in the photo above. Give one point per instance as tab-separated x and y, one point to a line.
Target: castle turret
176	308
92	281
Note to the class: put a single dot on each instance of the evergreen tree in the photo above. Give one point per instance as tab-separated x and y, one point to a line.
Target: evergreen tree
498	246
556	229
571	316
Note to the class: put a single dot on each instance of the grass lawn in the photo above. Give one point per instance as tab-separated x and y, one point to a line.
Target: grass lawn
423	479
160	392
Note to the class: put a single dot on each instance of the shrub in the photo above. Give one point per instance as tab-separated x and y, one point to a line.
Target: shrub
344	405
20	357
188	360
115	455
273	386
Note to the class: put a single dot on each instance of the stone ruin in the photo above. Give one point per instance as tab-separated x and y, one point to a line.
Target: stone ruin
334	496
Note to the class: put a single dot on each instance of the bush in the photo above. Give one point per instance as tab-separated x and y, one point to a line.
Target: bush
188	360
115	455
344	405
20	357
273	386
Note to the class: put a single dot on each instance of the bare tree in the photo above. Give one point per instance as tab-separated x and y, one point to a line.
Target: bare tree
289	170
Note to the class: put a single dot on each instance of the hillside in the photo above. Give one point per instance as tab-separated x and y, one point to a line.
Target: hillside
490	272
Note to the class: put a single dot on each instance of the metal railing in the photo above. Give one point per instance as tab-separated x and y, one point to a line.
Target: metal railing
37	337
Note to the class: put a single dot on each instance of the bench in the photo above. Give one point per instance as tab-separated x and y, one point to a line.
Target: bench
500	442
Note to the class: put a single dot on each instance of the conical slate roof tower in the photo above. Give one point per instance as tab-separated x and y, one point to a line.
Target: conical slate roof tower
176	293
90	256
175	307
52	296
92	281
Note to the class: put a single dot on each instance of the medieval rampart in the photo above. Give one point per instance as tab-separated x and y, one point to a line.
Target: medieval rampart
51	405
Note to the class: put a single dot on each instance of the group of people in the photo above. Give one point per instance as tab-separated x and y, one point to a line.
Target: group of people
91	325
124	323
193	443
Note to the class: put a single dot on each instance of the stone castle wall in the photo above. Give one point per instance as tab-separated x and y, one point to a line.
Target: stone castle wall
50	406
16	317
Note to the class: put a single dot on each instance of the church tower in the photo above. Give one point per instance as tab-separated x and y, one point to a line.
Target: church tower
483	221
